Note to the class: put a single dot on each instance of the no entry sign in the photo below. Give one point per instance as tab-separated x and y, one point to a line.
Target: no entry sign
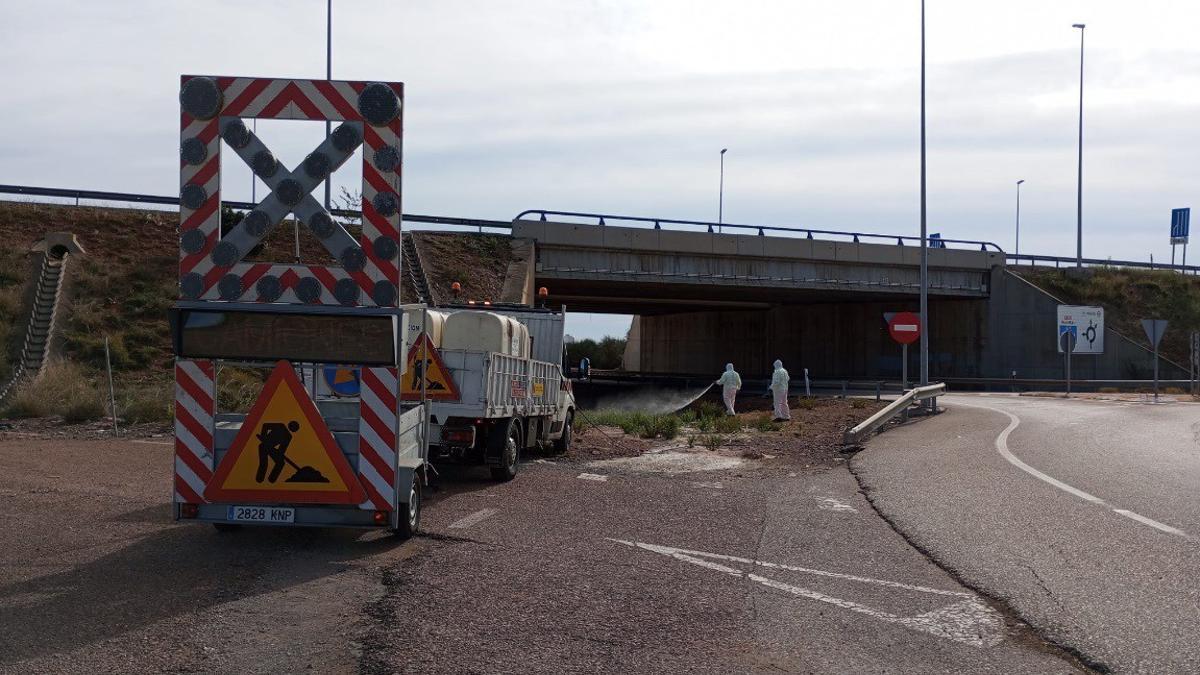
905	327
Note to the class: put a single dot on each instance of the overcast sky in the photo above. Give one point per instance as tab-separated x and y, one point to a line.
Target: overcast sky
622	107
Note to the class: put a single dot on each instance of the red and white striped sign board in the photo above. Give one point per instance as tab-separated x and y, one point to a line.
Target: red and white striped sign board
905	327
211	264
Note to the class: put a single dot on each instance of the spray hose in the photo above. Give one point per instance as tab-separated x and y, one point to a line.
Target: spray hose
614	440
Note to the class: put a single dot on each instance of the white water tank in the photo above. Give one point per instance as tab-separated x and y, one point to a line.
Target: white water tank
486	331
435	323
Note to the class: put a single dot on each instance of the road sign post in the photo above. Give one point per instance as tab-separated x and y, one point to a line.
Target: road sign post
1066	343
905	328
1154	331
1179	231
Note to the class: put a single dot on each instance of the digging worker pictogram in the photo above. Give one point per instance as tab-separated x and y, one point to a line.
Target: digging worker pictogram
273	441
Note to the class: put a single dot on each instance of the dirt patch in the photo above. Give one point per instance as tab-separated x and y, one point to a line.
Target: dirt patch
812	439
55	427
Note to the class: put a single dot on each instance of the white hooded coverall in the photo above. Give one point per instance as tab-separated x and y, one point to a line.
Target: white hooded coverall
779	390
730	383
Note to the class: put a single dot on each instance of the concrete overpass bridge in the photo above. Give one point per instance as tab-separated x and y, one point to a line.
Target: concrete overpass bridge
704	294
650	270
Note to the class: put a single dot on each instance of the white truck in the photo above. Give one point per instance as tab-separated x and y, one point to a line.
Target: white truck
506	365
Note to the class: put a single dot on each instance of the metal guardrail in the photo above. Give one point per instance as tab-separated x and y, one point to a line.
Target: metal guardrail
869	425
761	230
136	198
1060	262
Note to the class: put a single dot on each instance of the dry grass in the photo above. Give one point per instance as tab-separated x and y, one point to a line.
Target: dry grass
63	389
146	402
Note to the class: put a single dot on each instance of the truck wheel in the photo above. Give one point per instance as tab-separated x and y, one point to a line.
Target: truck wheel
410	513
564	442
507	447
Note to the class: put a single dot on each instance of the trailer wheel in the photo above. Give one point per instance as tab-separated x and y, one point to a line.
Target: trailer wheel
507	447
564	442
410	513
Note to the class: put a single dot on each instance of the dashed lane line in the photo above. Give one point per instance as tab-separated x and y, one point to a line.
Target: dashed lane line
593	476
473	519
1002	448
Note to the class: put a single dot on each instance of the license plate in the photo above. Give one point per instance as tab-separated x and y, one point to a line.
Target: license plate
261	514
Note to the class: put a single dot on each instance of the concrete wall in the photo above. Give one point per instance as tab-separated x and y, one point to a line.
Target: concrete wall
1022	328
1012	330
831	340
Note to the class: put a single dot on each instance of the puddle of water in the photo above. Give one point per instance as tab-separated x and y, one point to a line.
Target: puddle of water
671	462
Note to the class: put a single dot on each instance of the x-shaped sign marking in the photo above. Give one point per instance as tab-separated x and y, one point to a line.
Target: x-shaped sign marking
291	192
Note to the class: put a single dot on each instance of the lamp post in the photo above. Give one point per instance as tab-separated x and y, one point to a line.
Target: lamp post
328	76
1079	180
924	239
1017	248
721	192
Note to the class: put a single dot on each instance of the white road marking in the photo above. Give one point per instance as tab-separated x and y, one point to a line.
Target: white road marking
473	519
1002	448
834	504
968	620
715	485
1151	522
138	440
592	476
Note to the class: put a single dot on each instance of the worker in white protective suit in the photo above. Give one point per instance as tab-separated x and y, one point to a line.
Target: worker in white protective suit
730	383
779	390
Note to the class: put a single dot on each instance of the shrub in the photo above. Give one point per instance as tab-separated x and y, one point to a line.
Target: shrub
665	426
806	403
62	389
727	424
1109	390
238	388
707	409
710	442
144	402
88	348
1174	391
764	423
858	403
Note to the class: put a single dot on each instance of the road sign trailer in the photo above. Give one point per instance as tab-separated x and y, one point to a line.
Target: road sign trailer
238	313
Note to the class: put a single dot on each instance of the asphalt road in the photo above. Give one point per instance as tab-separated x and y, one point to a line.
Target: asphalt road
569	568
1083	517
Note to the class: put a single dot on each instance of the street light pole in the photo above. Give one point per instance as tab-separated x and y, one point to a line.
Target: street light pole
924	241
1079	180
328	76
721	192
1017	248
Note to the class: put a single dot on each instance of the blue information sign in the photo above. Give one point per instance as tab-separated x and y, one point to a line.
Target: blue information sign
342	381
1179	225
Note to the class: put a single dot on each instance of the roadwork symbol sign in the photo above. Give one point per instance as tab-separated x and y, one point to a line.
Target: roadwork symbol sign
284	452
424	361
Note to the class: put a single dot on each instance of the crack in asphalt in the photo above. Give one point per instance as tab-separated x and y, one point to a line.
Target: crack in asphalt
1081	660
1044	587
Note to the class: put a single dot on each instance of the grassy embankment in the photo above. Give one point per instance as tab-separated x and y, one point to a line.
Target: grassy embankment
121	289
1128	296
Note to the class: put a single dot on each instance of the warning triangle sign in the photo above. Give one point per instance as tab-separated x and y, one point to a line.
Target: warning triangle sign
424	361
284	452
